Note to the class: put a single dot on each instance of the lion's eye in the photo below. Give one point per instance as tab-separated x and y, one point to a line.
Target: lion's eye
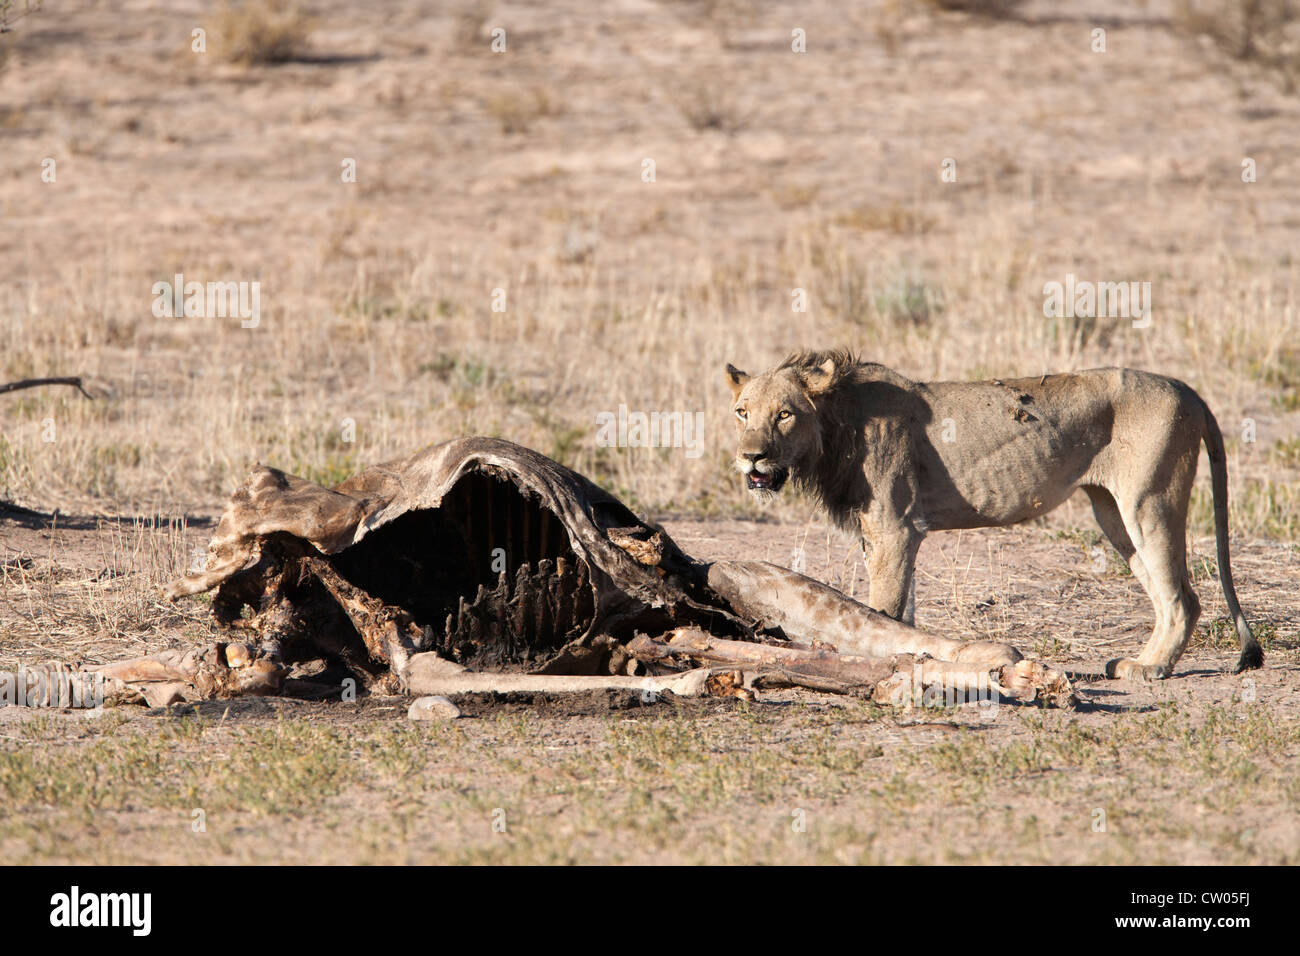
740	413
783	416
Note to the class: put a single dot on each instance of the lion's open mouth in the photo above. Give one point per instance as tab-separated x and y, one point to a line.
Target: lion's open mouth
769	482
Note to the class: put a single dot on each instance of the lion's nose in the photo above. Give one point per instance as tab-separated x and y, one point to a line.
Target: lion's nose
753	456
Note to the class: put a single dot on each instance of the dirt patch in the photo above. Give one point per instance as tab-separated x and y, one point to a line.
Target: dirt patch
595	704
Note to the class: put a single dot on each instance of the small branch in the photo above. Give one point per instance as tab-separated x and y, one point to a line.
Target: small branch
6	18
74	381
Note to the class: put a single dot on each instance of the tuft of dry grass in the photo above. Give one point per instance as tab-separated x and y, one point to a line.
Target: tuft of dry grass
262	32
983	8
892	217
1261	33
516	110
711	102
102	601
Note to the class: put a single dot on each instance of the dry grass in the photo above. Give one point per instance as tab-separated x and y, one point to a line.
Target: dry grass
517	110
93	592
262	32
516	178
710	101
11	11
1261	33
984	8
378	294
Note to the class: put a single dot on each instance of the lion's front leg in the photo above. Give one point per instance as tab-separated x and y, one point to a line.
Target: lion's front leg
891	563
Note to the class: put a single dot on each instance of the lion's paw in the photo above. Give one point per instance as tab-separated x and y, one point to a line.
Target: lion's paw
1124	668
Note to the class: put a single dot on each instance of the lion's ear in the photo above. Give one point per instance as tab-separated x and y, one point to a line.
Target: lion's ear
736	379
818	380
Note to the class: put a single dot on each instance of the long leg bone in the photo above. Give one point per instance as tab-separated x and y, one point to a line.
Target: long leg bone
444	680
826	666
807	610
897	679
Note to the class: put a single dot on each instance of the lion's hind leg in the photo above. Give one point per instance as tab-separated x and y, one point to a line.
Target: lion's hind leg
1157	533
1108	517
1107	513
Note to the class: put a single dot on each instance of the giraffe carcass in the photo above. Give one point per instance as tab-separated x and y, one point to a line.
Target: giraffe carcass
479	557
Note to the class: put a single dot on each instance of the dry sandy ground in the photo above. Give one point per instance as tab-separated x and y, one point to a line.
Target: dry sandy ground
523	172
1202	768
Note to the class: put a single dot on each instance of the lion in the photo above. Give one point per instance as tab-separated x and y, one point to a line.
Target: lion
892	460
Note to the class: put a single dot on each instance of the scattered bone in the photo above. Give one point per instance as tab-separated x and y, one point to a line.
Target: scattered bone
168	677
729	684
55	684
434	707
644	550
899	678
429	667
827	668
424	680
390	634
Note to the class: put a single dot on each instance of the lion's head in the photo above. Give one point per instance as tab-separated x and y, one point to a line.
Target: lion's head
777	421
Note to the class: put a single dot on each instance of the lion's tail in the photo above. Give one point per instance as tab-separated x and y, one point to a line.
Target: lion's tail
1252	655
